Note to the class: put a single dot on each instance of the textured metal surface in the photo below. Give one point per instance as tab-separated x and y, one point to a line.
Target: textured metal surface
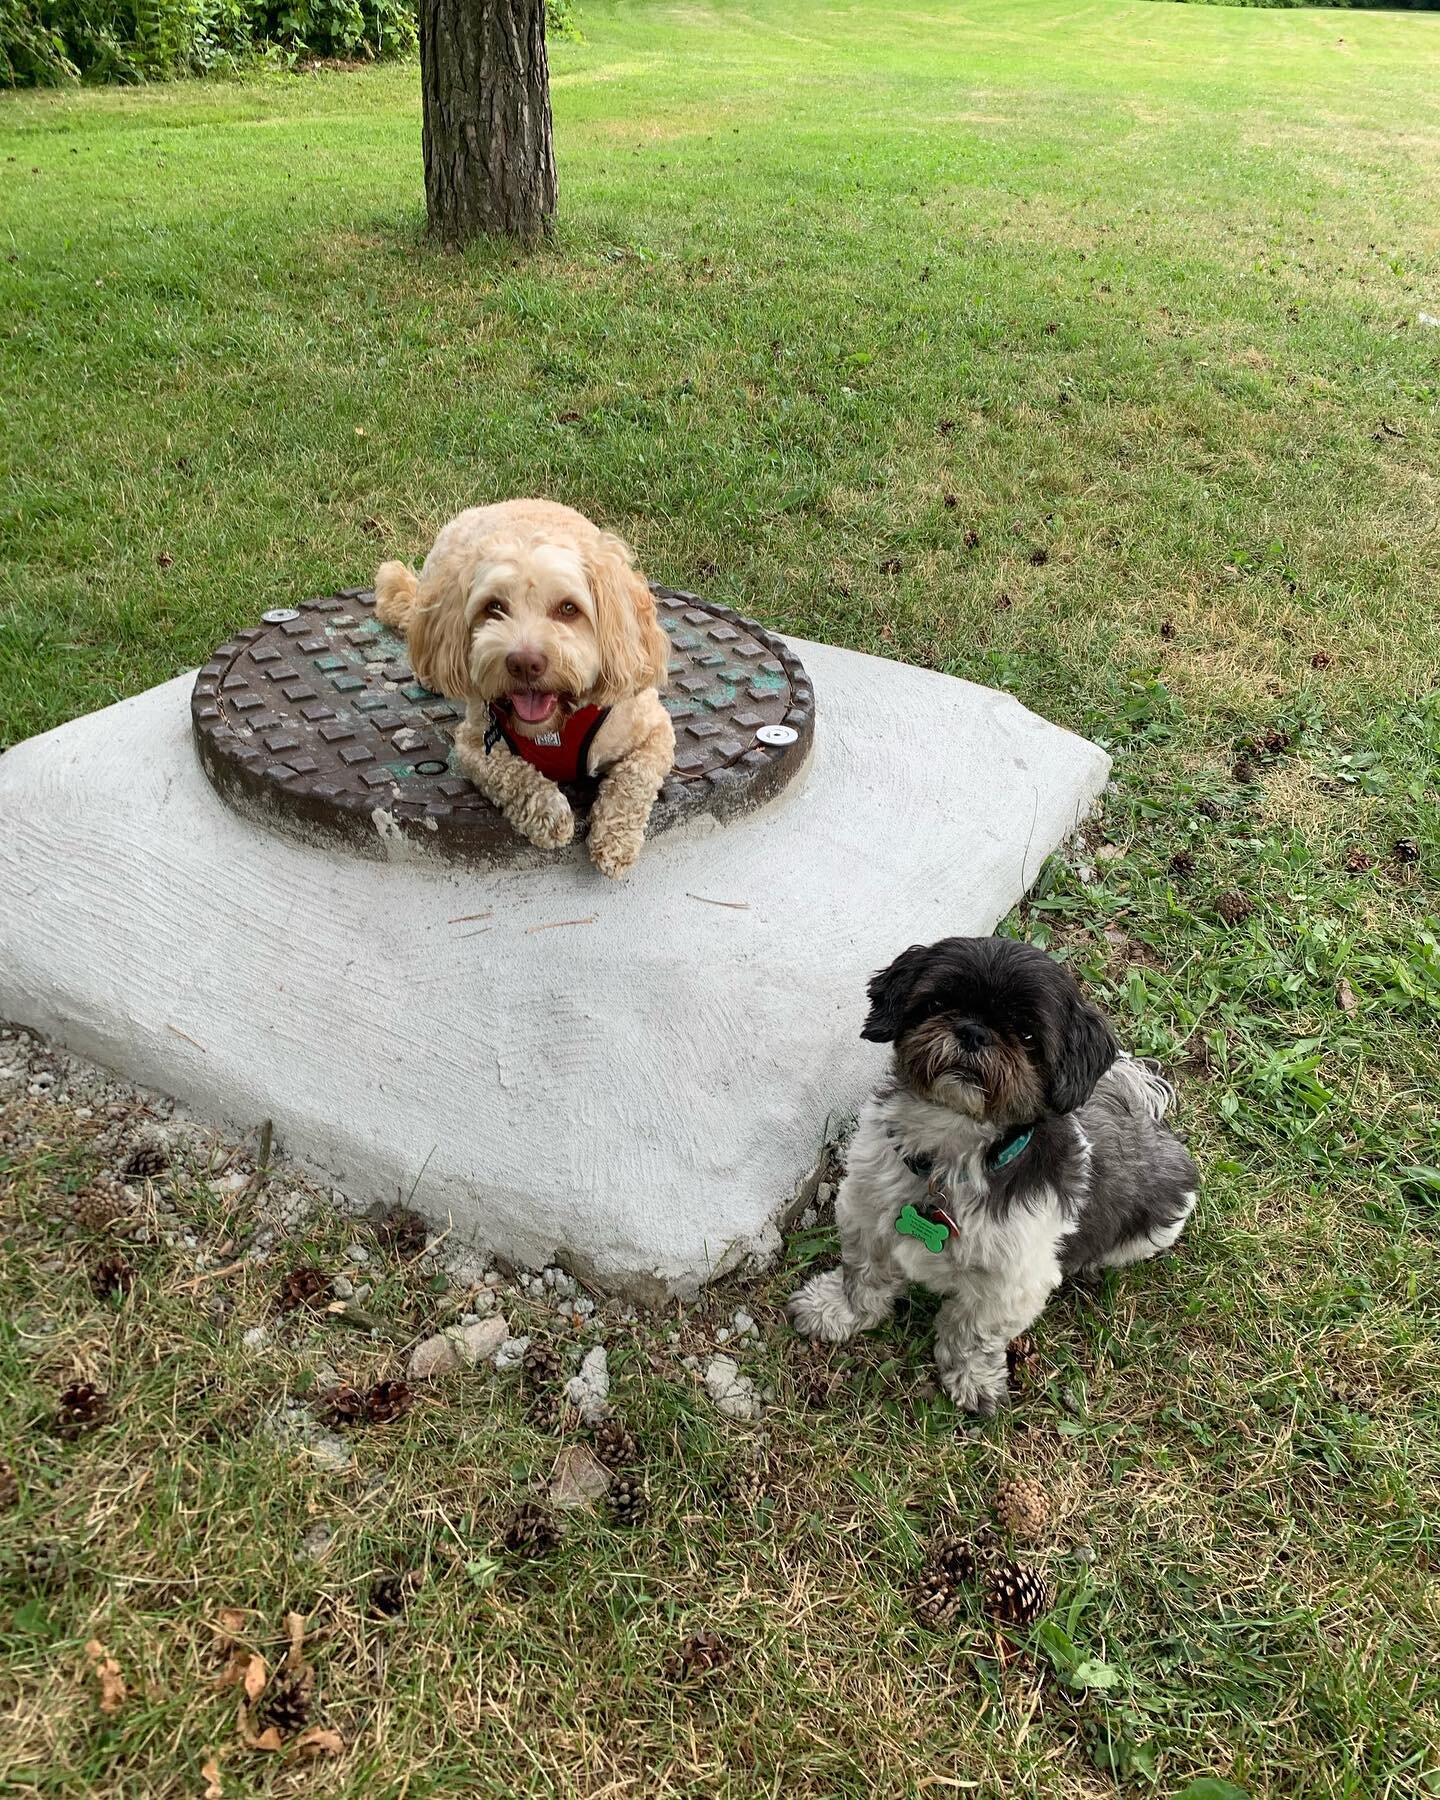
313	723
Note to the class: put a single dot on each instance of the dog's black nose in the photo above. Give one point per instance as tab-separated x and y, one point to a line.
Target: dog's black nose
526	664
970	1036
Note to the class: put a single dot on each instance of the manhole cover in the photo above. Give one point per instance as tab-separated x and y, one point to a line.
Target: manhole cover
313	724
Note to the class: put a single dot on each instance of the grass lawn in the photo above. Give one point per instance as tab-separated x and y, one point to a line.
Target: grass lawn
1068	347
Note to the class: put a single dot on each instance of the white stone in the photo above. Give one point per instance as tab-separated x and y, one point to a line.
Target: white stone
590	1389
511	1352
670	1063
255	1338
733	1393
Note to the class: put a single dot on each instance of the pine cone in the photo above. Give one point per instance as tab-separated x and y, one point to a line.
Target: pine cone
1407	850
1233	907
1321	660
614	1444
1358	861
749	1483
389	1595
404	1232
286	1701
149	1155
1020	1358
1245	771
9	1487
1015	1595
1182	863
531	1531
953	1560
935	1601
386	1401
541	1365
82	1406
111	1277
701	1652
345	1405
541	1371
305	1286
100	1205
1022	1508
629	1501
42	1564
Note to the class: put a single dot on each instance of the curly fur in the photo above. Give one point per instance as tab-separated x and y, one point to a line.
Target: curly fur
530	597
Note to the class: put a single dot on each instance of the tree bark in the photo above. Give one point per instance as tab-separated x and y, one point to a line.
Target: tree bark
485	86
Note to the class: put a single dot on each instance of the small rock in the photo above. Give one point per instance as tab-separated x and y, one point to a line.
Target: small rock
356	1253
580	1478
317	1541
438	1355
1428	319
743	1323
825	1193
589	1391
511	1352
363	1292
255	1338
722	1336
479	1341
343	1288
808	1218
733	1393
231	1183
330	1451
1109	853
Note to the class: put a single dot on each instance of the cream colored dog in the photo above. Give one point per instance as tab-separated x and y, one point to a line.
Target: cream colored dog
541	624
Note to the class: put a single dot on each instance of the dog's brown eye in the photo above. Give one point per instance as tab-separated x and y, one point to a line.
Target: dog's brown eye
567	609
495	609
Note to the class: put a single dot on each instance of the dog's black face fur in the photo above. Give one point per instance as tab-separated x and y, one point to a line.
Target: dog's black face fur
989	1027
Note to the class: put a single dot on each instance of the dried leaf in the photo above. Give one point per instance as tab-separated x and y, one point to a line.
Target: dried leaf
231	1622
268	1739
319	1740
107	1670
256	1675
1345	996
210	1769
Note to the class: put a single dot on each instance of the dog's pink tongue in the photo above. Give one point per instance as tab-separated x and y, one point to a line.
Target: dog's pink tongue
532	705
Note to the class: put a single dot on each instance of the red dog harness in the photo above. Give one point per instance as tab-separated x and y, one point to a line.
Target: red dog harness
561	755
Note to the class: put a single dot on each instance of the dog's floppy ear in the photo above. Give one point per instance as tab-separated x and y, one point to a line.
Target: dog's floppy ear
437	632
1084	1050
634	650
889	991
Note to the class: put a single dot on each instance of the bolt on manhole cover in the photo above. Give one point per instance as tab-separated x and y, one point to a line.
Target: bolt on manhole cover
313	724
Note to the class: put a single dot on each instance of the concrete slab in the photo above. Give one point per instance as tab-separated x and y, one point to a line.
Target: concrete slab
634	1079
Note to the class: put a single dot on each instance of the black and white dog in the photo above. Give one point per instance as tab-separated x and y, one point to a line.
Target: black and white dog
1014	1144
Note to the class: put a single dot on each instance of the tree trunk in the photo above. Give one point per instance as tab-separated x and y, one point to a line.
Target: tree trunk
485	85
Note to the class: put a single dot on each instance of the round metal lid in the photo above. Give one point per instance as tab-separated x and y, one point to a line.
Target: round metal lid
313	724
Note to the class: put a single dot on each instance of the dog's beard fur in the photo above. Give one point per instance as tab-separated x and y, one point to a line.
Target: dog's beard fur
998	1082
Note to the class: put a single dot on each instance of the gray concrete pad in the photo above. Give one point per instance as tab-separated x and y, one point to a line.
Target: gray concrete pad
632	1078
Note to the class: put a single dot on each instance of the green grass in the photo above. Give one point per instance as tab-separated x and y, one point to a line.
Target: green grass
1068	348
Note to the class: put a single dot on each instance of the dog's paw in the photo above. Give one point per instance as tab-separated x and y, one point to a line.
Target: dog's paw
974	1392
820	1309
614	849
545	818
